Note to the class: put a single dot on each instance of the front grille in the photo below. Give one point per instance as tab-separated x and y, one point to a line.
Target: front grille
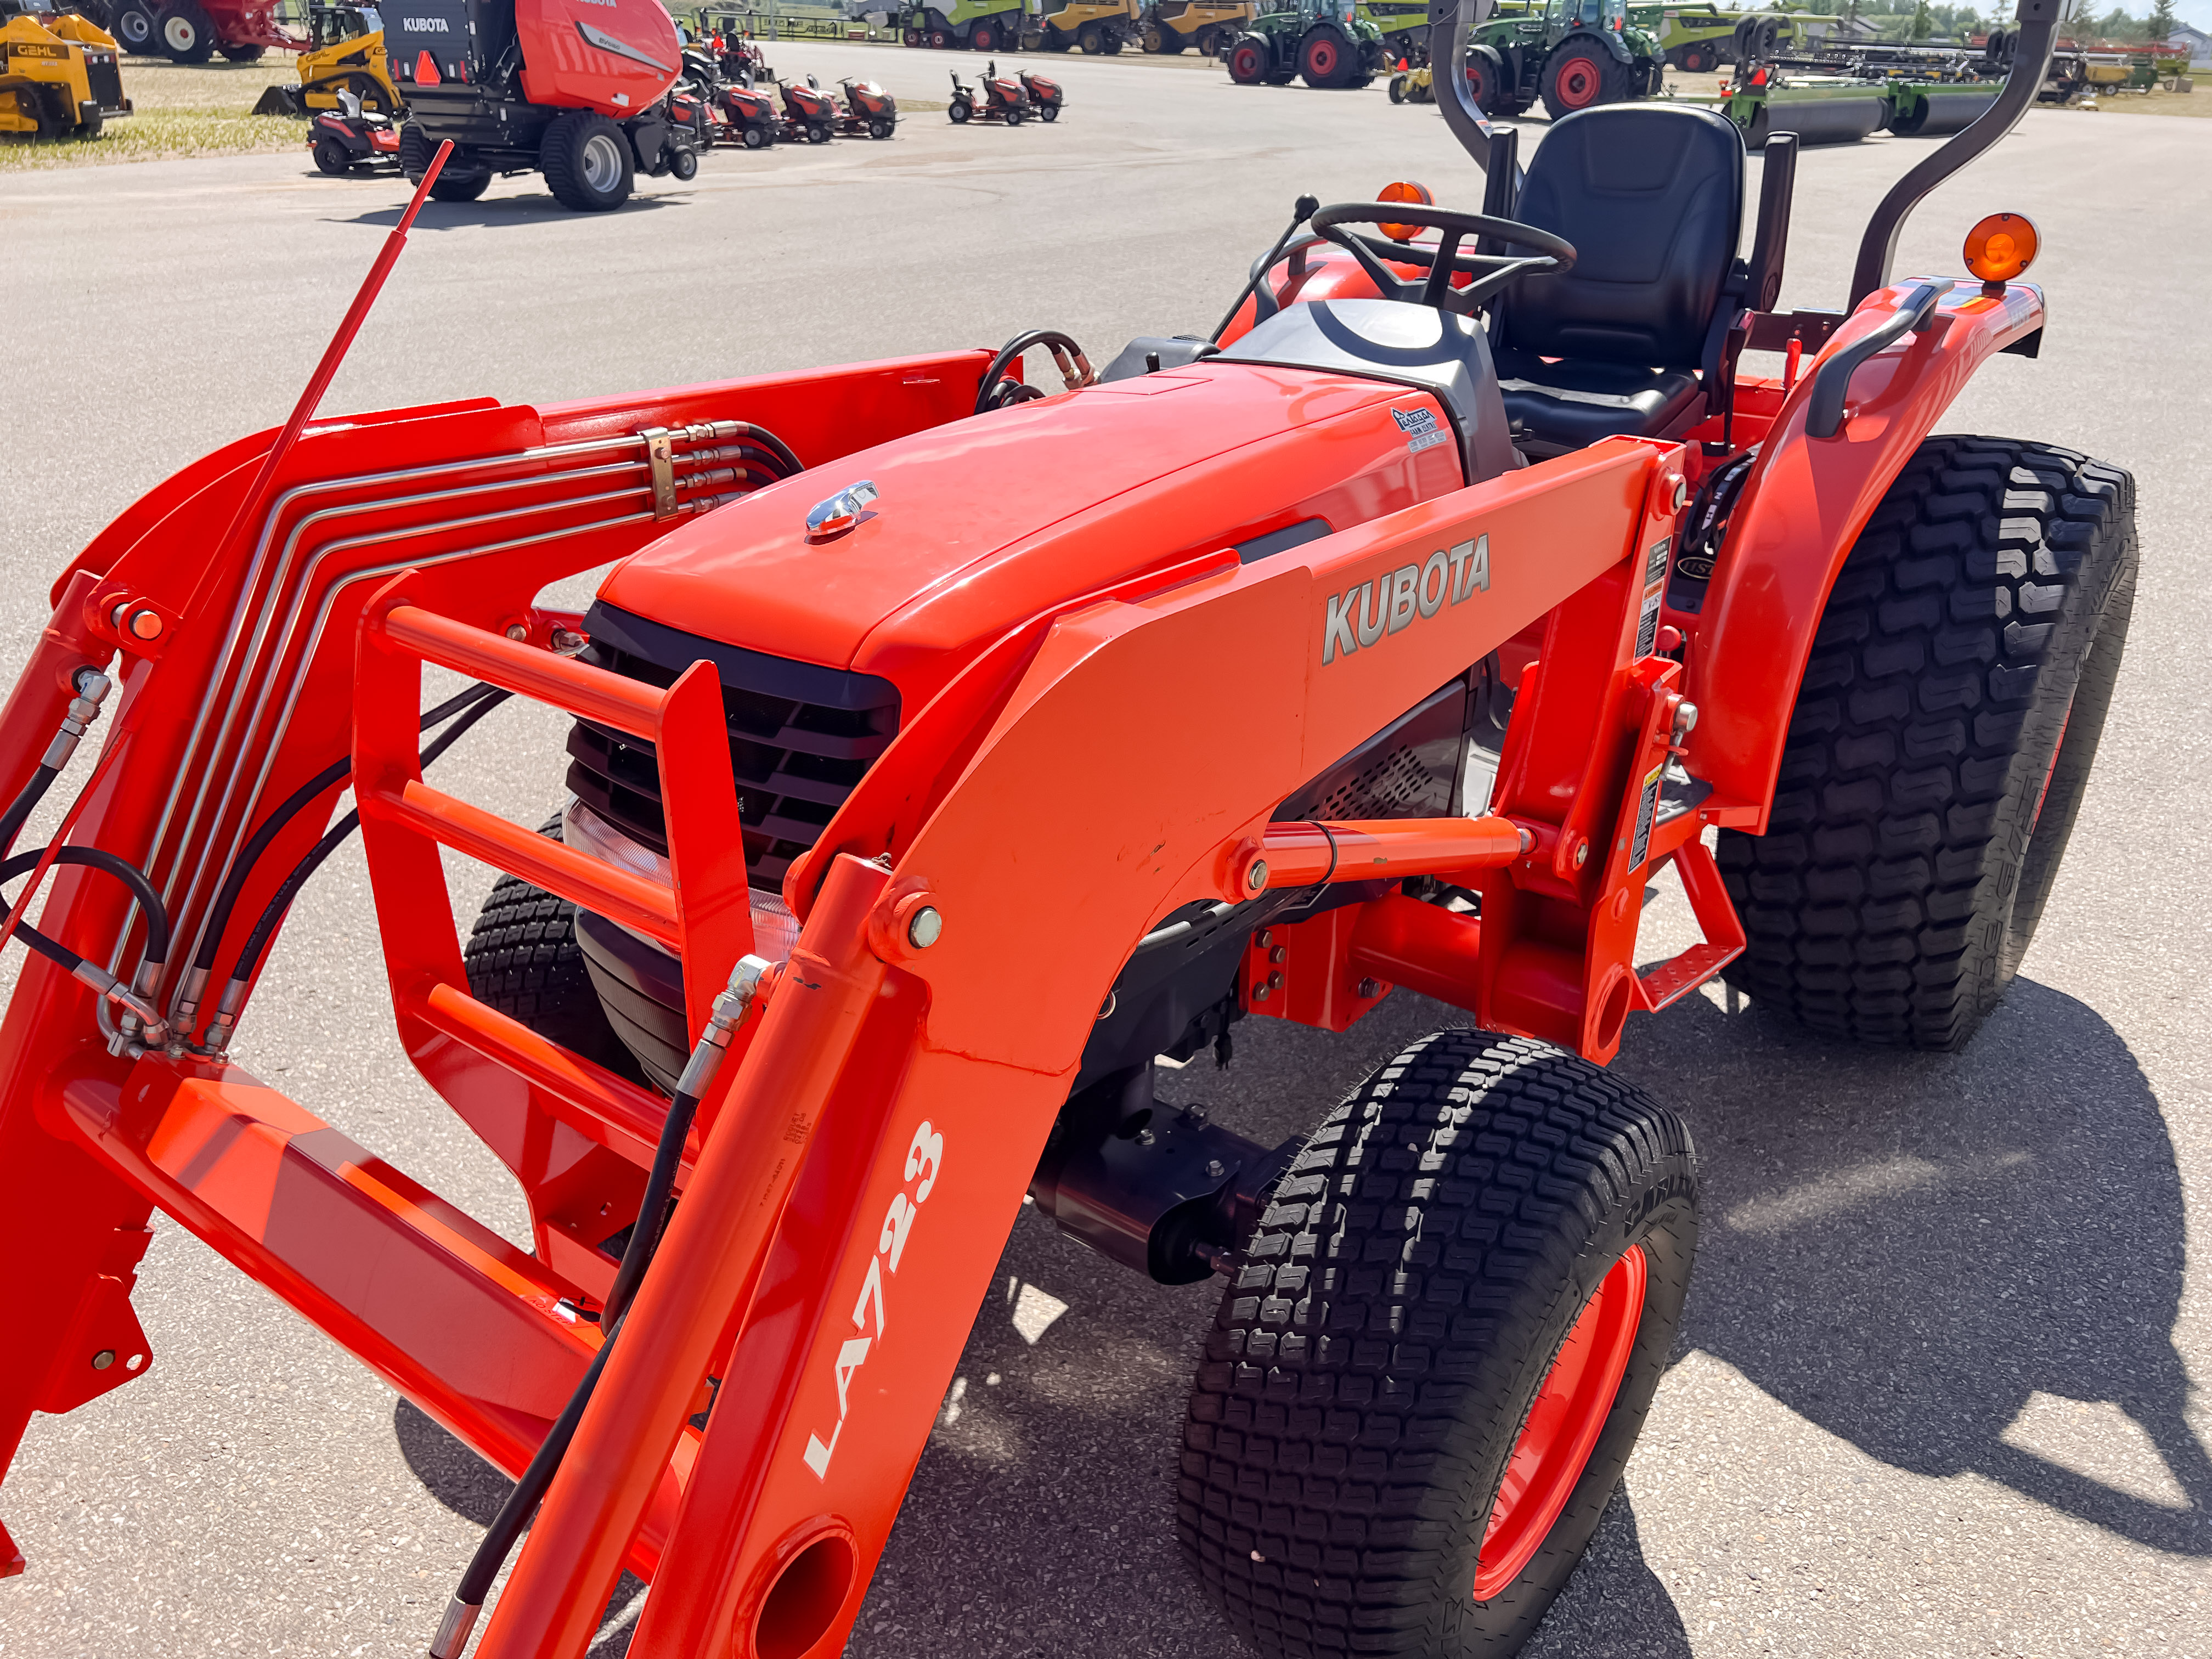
800	738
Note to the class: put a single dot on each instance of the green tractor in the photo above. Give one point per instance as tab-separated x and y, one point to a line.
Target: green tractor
1325	41
1573	54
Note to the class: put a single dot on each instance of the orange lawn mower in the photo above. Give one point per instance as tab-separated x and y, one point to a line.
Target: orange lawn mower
901	829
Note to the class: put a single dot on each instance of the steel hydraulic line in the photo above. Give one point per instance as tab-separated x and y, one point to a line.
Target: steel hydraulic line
282	590
713	432
330	598
729	1012
307	656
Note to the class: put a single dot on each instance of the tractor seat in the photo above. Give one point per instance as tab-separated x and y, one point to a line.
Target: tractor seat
1651	196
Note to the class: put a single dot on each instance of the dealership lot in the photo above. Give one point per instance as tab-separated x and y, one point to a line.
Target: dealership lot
1942	1385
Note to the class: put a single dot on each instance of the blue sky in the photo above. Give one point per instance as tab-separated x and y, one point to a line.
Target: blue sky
2198	12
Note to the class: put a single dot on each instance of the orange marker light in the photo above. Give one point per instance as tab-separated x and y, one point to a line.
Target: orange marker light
1404	190
2002	246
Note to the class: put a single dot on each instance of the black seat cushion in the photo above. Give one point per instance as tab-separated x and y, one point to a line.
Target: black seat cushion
1567	404
1651	196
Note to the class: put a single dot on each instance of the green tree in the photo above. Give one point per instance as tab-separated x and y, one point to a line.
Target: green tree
1922	24
2163	21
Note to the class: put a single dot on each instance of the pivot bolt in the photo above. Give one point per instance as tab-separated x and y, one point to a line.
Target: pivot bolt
927	928
140	624
1256	878
1370	987
1582	853
518	632
103	1359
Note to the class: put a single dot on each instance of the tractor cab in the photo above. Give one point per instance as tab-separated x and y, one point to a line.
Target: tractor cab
336	26
1563	17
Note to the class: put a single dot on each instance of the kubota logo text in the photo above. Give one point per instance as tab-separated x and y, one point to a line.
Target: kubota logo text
1362	615
424	26
924	1155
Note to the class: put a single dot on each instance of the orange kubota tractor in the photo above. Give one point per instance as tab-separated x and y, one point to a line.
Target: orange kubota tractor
1397	636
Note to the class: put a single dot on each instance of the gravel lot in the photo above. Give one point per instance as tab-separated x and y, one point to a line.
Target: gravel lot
1941	1387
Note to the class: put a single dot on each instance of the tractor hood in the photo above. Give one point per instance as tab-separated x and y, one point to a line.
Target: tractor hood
983	523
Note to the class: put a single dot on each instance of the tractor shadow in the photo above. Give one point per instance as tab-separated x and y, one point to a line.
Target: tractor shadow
1906	1250
531	208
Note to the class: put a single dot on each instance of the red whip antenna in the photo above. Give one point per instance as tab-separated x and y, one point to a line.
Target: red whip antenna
334	354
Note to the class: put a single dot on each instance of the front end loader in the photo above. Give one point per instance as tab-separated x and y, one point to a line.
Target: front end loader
345	53
1398	634
59	74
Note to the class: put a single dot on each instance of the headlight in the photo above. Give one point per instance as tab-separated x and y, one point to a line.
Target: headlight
776	930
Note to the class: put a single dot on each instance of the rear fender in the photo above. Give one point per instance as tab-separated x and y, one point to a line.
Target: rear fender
1803	507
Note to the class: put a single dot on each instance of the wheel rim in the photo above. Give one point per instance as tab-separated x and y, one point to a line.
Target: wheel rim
179	34
1478	90
133	28
1321	57
1248	63
600	164
1577	82
1562	1425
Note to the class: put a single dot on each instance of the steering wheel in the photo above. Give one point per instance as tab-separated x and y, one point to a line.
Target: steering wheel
999	390
1492	272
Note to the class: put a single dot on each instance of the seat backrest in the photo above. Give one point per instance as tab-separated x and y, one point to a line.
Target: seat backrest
1651	196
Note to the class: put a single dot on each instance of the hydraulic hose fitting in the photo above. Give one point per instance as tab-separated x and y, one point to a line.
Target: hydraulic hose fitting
728	1013
148	1016
189	998
454	1629
225	1019
131	1033
92	686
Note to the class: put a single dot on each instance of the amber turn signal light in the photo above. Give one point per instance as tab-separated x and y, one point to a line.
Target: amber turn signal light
1404	190
2002	247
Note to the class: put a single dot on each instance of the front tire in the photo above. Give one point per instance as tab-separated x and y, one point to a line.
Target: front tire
959	113
1248	63
1478	1263
587	163
523	959
453	186
1940	744
332	158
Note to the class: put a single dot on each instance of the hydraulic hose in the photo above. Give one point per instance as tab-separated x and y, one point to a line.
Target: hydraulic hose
265	930
336	772
93	858
498	1542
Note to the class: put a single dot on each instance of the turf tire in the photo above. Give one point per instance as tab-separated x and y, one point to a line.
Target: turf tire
587	162
522	959
1925	798
1396	1312
333	158
961	113
454	186
415	152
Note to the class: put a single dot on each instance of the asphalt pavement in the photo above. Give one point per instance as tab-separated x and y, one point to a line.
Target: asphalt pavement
1941	1387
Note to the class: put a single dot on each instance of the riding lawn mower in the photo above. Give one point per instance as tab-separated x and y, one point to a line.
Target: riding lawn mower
1398	634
